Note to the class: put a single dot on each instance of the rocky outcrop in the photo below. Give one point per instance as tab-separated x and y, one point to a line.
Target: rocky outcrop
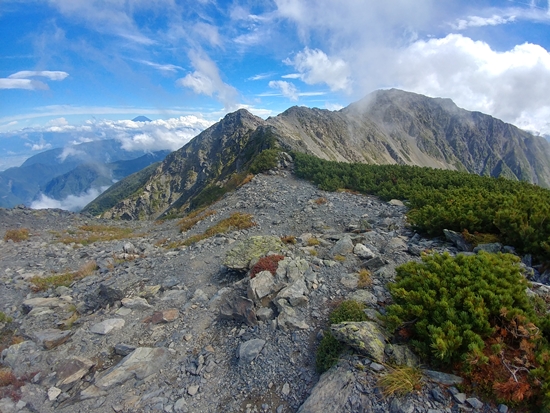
386	127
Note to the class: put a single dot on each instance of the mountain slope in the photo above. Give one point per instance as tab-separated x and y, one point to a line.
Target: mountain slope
70	171
386	127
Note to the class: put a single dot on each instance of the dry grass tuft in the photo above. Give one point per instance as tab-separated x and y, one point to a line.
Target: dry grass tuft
17	235
66	279
289	239
320	201
188	222
365	278
235	222
400	380
312	242
339	258
88	234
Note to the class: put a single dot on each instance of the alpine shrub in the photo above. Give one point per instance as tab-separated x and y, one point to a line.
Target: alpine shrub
268	263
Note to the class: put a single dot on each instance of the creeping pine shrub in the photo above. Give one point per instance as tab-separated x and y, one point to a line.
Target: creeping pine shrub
473	313
269	263
330	348
265	161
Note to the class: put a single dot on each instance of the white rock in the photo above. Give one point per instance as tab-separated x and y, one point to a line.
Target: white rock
53	392
106	326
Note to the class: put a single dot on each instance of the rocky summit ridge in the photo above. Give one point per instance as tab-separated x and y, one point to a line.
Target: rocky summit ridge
386	127
158	328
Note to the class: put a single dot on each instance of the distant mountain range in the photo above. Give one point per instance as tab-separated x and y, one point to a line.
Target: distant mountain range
386	127
73	170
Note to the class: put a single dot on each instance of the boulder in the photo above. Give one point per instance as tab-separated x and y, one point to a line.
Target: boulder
262	285
288	319
240	309
295	293
363	252
240	256
333	390
457	239
20	357
364	336
344	246
141	363
249	350
363	296
69	372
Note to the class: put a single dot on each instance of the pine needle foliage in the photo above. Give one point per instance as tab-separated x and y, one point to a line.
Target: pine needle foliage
515	212
472	313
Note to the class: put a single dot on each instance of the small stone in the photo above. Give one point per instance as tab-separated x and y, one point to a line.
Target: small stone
124	349
475	403
106	326
192	390
363	252
136	303
460	397
249	350
165	316
53	392
181	406
286	389
438	395
376	366
502	408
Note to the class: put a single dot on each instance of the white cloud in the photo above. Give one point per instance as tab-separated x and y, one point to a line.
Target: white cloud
71	203
206	80
71	151
52	75
261	76
170	68
20	80
158	134
333	106
513	85
291	76
315	67
287	89
477	21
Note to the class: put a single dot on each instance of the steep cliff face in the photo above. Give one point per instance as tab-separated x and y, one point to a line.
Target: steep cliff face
388	126
208	159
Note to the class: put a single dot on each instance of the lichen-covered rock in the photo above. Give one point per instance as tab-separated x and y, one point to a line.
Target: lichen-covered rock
364	336
239	257
401	354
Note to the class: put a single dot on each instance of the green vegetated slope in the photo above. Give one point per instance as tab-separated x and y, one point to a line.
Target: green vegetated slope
517	212
470	313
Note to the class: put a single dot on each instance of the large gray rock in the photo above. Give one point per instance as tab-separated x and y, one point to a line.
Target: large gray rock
457	239
343	246
240	256
51	337
363	296
240	309
291	269
20	357
443	378
70	372
365	336
332	392
288	319
249	350
141	363
295	293
262	285
136	303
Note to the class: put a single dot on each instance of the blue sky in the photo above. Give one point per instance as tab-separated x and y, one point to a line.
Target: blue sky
74	70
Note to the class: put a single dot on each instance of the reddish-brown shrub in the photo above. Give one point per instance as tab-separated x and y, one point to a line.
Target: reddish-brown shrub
269	263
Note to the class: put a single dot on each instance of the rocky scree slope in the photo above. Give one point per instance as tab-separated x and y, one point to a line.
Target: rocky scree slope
155	329
387	127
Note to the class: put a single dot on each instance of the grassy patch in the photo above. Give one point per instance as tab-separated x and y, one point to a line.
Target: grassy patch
17	235
188	222
339	258
66	279
365	278
235	222
4	318
400	380
312	242
88	234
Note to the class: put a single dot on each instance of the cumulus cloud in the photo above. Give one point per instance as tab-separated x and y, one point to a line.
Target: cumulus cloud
287	89
71	203
41	145
315	67
206	80
20	80
156	135
512	85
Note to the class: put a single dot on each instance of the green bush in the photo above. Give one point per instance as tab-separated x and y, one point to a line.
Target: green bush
515	212
330	348
473	313
265	161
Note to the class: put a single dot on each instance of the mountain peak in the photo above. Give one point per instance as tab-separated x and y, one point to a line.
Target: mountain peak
141	119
